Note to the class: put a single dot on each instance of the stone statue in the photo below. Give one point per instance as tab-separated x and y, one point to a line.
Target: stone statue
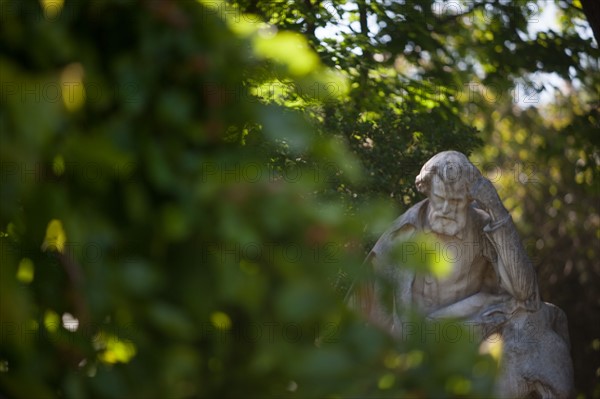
491	281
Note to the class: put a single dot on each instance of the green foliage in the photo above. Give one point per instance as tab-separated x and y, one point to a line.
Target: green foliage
194	188
167	232
424	74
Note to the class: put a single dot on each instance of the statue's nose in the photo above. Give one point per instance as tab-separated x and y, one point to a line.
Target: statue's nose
446	207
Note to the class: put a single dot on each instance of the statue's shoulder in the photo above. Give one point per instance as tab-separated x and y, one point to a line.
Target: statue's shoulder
414	216
406	224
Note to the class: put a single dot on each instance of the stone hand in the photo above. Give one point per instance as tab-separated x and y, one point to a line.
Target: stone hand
484	192
497	314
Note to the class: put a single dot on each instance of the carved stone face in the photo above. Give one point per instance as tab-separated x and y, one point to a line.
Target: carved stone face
448	203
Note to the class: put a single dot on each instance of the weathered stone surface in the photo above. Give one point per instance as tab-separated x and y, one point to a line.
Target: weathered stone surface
491	280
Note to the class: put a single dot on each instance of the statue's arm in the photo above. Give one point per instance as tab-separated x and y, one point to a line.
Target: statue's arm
516	272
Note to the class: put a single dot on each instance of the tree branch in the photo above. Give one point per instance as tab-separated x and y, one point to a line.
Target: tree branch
364	30
591	9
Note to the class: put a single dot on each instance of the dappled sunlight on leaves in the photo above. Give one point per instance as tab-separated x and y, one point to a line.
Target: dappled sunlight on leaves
492	345
113	349
73	91
51	321
55	237
26	270
424	253
290	49
52	8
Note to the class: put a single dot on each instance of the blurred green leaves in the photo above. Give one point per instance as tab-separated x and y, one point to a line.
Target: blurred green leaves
288	48
133	208
423	253
211	182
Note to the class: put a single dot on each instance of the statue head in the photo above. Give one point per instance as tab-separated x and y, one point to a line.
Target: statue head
446	179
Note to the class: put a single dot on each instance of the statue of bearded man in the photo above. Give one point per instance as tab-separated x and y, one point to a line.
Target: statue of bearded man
491	280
